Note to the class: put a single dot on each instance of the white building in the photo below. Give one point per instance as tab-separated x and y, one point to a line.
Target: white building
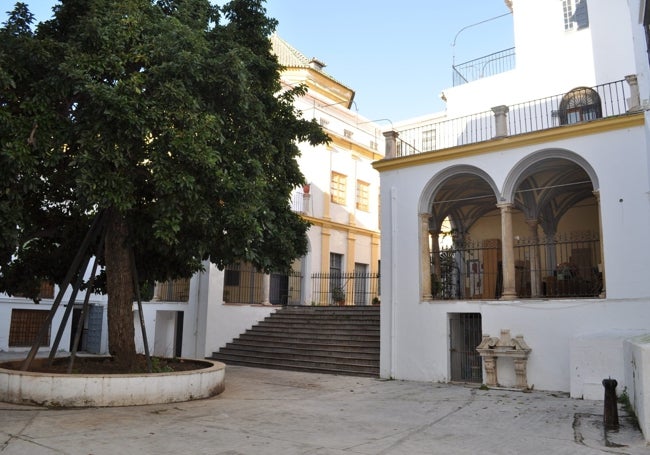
524	210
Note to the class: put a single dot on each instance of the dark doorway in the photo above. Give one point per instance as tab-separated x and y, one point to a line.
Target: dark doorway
464	336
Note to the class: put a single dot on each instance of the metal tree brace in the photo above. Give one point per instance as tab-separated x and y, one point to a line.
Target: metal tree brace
78	267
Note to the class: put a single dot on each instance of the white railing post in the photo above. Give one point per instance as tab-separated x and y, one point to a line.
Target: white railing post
634	101
391	143
500	121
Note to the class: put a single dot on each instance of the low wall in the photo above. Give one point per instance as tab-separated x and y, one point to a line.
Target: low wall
597	356
636	353
86	390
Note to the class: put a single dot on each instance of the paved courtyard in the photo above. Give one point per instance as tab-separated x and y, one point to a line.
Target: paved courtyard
279	412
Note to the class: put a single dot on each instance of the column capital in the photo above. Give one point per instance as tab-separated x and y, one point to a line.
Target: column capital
505	206
532	223
500	110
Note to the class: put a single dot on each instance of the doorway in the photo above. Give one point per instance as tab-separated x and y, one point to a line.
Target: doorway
464	336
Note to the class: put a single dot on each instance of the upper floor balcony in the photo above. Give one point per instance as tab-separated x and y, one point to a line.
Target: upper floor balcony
489	65
581	104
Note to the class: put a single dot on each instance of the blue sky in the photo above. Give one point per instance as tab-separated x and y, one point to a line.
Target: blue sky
396	56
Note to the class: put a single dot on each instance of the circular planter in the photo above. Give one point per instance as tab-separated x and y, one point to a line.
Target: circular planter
84	390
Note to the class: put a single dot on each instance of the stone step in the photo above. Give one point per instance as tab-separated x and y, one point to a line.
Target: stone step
302	352
334	346
364	372
370	368
304	334
335	340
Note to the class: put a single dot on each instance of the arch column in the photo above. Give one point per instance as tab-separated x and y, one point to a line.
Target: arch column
507	252
266	289
425	257
601	266
535	262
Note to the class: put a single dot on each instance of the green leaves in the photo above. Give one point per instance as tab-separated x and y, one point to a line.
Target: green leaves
161	112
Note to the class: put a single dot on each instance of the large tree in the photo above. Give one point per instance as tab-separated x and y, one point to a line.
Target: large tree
168	117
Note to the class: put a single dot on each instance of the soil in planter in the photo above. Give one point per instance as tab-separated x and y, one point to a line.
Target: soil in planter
106	365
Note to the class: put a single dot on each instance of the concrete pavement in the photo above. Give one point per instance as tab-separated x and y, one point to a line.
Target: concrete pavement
280	412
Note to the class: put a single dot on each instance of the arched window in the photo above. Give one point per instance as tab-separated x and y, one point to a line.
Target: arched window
579	105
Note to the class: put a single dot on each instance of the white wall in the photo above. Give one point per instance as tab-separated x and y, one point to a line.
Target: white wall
414	335
637	362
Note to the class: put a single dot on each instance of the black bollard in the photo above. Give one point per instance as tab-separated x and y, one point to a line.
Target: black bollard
610	415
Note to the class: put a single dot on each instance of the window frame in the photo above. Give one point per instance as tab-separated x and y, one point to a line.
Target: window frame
362	199
338	188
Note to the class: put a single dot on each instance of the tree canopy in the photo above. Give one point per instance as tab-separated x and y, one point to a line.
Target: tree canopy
169	117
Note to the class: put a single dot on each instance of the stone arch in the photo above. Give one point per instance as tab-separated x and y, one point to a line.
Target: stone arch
517	173
437	181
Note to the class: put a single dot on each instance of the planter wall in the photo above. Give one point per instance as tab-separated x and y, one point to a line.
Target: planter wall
84	390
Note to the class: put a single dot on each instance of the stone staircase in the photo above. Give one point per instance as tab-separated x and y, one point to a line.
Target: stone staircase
336	340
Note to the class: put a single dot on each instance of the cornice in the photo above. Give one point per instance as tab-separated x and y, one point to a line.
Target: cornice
340	226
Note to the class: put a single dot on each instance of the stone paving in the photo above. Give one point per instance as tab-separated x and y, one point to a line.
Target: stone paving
280	412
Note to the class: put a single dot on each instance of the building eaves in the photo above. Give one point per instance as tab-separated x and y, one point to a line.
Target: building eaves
290	57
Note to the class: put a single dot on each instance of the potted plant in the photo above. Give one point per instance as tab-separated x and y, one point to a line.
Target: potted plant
338	296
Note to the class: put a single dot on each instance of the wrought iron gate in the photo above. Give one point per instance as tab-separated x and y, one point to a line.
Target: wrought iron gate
464	336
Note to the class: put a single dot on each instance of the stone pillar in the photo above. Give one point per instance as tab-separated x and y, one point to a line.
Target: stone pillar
535	262
425	257
520	373
435	258
391	143
601	266
266	289
634	101
500	121
507	253
490	364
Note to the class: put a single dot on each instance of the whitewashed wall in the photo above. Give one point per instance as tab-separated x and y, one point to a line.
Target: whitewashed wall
414	334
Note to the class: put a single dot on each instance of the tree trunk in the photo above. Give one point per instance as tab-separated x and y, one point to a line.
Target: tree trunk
119	285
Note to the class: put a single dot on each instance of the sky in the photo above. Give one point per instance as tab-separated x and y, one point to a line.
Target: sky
396	56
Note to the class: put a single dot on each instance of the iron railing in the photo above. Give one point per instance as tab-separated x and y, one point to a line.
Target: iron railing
565	265
550	112
526	117
172	291
558	266
345	288
244	284
446	133
489	65
300	202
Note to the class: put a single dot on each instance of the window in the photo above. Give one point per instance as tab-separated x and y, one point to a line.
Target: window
579	105
363	189
336	264
575	14
338	188
25	325
428	140
231	277
337	285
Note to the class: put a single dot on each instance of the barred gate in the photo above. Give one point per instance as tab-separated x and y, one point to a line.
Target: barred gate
345	288
465	334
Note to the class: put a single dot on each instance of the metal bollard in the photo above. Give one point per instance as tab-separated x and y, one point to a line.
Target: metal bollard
610	414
